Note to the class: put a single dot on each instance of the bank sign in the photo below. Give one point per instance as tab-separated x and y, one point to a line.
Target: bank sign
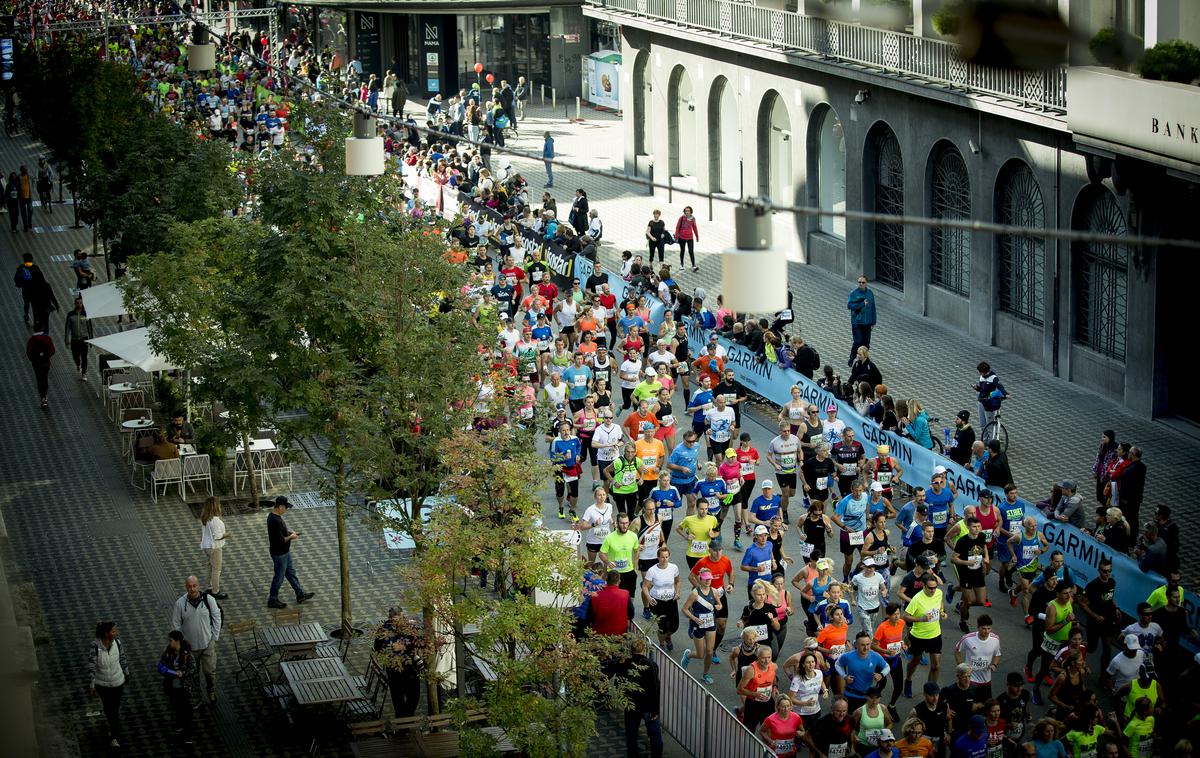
1157	117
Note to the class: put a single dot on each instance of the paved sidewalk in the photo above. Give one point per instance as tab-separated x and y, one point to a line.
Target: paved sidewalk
1054	426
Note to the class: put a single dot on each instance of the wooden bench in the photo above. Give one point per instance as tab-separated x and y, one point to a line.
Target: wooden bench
366	729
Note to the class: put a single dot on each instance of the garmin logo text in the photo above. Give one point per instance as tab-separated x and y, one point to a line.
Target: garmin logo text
1177	130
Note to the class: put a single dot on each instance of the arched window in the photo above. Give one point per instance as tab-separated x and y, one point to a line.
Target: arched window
775	150
1022	259
723	145
887	185
831	171
681	124
950	198
1100	273
641	103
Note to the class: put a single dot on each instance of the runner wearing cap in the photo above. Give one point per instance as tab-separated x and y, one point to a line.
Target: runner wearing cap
933	712
784	454
713	491
885	746
972	744
721	424
721	569
711	363
940	500
779	730
870	719
667	500
607	442
925	612
648	388
885	469
747	457
832	427
870	590
765	507
564	454
758	561
701	608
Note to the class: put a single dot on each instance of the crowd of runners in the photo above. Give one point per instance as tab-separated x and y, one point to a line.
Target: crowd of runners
845	586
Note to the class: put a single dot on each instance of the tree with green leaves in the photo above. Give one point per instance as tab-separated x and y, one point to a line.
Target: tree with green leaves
546	683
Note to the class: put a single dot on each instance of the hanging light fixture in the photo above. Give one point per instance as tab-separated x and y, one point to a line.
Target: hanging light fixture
201	54
364	151
754	273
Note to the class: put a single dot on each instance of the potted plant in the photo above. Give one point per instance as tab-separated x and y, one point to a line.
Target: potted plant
1116	48
947	20
1171	61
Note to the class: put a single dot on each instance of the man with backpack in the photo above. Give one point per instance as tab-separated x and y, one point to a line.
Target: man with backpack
198	616
990	393
23	280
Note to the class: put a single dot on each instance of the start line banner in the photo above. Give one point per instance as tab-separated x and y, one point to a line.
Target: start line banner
1081	551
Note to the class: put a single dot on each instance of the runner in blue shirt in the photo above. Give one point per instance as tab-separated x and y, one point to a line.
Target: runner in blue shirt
940	500
714	490
861	669
564	454
578	379
682	464
701	401
666	500
850	515
764	507
759	559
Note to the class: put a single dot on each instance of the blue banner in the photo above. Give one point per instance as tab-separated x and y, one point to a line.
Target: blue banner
1081	551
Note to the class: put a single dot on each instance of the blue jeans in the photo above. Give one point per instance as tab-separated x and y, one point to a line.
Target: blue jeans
633	722
862	336
549	174
283	568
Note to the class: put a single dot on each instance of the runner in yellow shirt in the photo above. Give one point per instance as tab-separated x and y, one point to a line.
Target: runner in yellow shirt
697	531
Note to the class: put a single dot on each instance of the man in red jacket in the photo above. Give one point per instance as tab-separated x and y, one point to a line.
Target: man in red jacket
611	608
39	350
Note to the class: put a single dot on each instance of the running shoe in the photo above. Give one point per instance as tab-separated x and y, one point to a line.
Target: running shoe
1029	621
962	627
957	607
737	543
561	513
716	658
1012	598
949	593
574	519
785	518
908	689
1028	675
686	658
924	659
708	679
1048	680
987	603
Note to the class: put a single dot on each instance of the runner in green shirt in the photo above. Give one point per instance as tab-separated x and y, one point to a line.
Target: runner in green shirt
925	612
1140	730
617	553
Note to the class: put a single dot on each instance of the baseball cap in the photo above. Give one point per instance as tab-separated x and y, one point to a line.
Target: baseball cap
768	484
939	470
1132	642
922	561
730	453
503	316
760	529
876	487
831	408
715	542
651	372
964	415
824	564
885	734
647	426
932	688
560	407
811	644
705	574
1067	484
922	508
281	500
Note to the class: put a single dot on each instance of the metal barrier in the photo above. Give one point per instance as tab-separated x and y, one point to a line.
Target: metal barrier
935	61
696	719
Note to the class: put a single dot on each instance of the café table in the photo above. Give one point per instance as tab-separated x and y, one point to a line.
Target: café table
295	639
317	681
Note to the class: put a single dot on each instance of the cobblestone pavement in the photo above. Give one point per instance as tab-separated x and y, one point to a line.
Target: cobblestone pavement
93	547
1054	426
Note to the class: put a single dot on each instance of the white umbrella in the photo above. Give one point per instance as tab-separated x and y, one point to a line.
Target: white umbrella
133	347
103	300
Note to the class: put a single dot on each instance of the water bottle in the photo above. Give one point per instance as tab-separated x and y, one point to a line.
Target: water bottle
946	436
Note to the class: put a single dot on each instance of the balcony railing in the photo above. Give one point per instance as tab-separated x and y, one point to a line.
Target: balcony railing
933	61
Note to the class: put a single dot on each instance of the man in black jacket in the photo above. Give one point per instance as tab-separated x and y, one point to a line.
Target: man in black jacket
996	472
1131	486
642	675
806	360
964	438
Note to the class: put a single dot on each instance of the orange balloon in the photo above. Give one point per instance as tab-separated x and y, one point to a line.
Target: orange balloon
490	78
478	68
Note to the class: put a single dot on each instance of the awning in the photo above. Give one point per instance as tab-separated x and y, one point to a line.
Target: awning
103	300
133	346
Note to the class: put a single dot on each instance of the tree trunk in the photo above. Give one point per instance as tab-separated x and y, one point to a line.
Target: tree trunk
75	210
432	696
250	477
339	494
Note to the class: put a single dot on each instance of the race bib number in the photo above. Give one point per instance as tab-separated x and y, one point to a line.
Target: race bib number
543	345
580	380
730	398
849	469
765	568
733	486
884	478
760	632
666	513
894	648
939	517
650	461
628	477
765	691
662	593
601	531
979	664
837	650
822	482
1029	552
785	315
535	275
706	620
527	412
699	546
570	477
871	736
987	536
787	461
806	549
1015	730
1049	645
795	414
621	564
683	368
667	420
856	538
747	468
838	751
783	747
975	561
997	751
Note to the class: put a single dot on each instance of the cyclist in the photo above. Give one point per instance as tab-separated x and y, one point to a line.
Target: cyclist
990	393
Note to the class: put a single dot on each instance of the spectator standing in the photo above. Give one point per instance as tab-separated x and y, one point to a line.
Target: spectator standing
642	675
39	350
578	215
548	157
78	331
989	393
611	609
687	234
45	183
657	236
107	669
198	616
281	539
861	304
1106	457
42	300
212	542
23	280
12	199
996	472
1169	531
1131	485
25	197
395	642
399	96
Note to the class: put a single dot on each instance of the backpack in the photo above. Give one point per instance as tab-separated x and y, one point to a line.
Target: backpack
23	275
816	358
209	601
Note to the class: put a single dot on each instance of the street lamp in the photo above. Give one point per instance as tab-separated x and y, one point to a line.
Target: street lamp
754	272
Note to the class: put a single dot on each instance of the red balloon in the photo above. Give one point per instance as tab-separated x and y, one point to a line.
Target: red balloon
478	68
490	78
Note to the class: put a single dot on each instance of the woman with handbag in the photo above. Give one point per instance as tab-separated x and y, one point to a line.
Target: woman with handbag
658	236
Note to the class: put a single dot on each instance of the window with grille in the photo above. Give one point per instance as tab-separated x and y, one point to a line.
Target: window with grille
1101	277
889	199
1022	259
950	249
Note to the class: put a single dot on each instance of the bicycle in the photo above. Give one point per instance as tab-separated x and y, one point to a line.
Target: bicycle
936	434
996	429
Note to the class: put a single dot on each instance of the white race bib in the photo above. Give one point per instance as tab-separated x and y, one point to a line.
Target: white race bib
706	620
856	538
580	380
666	513
699	546
760	632
782	747
1049	645
787	461
939	517
733	486
884	478
628	477
849	469
601	531
765	568
822	482
979	664
894	648
662	593
806	549
535	275
974	561
650	461
838	751
570	477
747	468
621	564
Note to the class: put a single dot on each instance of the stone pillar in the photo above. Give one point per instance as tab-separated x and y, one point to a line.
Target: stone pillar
568	28
923	11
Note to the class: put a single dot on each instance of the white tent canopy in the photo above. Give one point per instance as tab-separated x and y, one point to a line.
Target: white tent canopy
103	300
133	346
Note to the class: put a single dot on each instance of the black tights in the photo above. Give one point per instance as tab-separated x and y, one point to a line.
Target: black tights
690	246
